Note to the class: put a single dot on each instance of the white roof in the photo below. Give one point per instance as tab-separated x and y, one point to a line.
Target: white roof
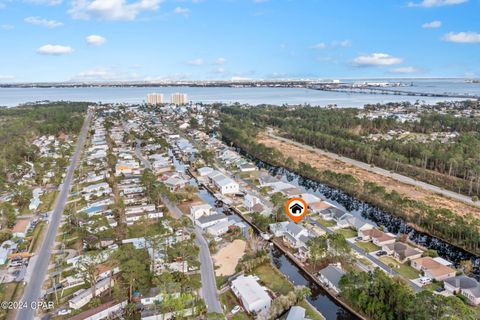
442	261
249	289
310	198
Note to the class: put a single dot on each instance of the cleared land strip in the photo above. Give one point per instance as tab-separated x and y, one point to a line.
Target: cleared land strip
417	190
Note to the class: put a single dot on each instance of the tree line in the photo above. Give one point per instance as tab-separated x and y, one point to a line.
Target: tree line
455	166
462	231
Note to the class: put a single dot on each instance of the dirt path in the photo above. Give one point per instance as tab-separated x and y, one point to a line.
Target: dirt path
227	258
324	162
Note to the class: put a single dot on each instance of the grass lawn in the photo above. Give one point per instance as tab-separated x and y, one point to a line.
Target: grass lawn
47	201
273	279
326	223
229	301
404	269
367	246
432	286
347	233
37	233
310	312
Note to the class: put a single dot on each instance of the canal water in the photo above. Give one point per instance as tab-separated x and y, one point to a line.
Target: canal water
318	298
372	214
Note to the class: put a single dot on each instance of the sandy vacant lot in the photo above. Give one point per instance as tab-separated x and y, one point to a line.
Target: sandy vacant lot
324	162
227	258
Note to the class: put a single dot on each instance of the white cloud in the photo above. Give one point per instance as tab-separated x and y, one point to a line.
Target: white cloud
462	37
320	45
181	10
435	3
343	43
45	2
195	62
6	77
404	70
54	49
219	70
432	25
333	44
7	26
37	21
111	9
106	74
220	61
376	59
95	40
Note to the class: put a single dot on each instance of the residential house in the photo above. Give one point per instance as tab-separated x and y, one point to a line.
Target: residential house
330	276
296	313
20	228
6	248
220	228
250	201
199	210
109	310
402	252
359	224
332	213
85	295
247	167
378	237
296	235
223	183
253	296
317	207
466	286
207	221
205	171
176	182
278	229
433	269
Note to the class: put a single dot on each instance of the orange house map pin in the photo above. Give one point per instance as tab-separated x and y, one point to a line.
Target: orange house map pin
296	209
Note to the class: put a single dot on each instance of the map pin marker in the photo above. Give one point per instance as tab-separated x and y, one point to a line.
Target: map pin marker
296	209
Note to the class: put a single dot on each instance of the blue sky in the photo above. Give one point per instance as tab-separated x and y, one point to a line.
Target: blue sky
77	40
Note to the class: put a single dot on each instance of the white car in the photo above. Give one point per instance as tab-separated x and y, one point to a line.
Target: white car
236	309
64	312
425	280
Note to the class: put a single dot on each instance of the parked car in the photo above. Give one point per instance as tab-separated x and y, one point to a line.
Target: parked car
380	253
440	289
236	309
425	280
64	312
358	239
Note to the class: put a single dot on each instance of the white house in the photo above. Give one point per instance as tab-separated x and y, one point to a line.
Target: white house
223	183
199	210
219	228
254	297
204	171
250	201
330	276
85	295
207	221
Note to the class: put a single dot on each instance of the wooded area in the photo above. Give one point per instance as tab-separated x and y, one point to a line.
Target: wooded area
20	125
454	166
462	231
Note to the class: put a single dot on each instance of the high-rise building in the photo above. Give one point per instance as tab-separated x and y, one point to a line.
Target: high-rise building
154	98
179	98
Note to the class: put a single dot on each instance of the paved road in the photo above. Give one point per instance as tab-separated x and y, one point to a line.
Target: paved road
34	287
383	172
209	284
367	255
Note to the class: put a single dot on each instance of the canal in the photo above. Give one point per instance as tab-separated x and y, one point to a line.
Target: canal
320	299
372	214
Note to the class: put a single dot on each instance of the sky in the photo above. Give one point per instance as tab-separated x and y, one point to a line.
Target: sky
114	40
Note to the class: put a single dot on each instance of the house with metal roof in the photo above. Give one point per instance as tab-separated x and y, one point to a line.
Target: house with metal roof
253	296
330	276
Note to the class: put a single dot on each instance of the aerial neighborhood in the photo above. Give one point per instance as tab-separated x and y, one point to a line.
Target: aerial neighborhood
165	220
